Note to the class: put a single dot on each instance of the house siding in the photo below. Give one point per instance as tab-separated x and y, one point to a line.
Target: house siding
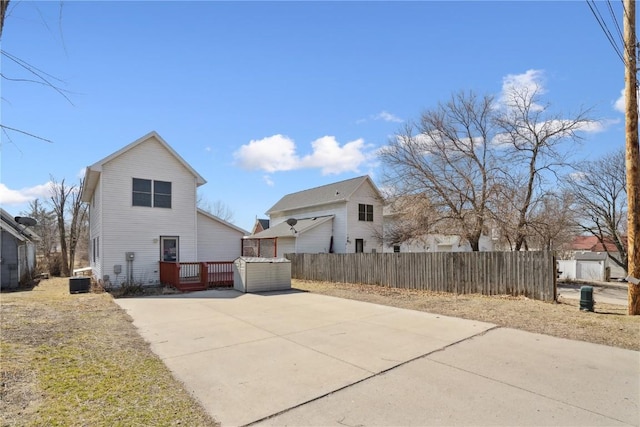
286	245
95	232
136	228
316	240
338	230
216	241
367	231
9	265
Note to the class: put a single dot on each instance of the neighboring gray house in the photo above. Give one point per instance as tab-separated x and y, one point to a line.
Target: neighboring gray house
17	252
342	217
142	210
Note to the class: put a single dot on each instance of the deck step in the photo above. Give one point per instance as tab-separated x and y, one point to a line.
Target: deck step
191	287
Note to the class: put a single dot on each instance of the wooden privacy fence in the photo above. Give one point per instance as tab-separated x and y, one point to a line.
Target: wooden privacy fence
531	274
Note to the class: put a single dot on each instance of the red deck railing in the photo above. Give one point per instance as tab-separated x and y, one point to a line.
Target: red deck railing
193	276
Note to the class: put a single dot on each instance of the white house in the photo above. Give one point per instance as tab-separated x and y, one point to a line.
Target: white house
431	242
342	217
142	210
440	243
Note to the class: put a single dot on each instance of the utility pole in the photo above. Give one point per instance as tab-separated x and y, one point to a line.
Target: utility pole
632	155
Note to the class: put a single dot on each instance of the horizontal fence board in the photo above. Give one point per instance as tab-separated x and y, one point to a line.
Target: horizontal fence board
530	274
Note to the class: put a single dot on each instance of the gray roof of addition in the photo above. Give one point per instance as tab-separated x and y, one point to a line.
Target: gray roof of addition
330	193
285	230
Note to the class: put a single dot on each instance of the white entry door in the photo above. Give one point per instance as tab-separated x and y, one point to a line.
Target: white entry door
169	248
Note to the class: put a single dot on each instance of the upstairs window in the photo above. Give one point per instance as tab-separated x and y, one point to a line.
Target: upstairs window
365	212
151	193
141	192
161	194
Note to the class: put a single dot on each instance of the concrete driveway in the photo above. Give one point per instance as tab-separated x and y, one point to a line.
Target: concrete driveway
297	358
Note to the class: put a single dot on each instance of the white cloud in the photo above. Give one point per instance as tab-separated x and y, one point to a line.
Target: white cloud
384	116
333	159
267	179
278	153
619	104
271	154
529	82
387	117
25	195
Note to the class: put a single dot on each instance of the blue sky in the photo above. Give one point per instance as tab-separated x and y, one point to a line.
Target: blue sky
268	98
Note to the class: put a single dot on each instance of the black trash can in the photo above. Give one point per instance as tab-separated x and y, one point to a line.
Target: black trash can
586	298
79	285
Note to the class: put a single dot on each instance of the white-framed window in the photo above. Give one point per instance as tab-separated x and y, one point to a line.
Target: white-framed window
365	212
151	193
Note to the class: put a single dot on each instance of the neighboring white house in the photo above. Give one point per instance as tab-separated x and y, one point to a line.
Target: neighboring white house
142	210
342	217
439	243
586	258
435	242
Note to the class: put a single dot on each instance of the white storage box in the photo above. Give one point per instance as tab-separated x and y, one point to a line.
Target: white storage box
251	274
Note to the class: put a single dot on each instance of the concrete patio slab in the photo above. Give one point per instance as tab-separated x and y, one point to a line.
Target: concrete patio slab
249	356
295	358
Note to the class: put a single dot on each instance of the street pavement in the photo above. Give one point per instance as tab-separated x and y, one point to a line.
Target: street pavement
296	358
603	292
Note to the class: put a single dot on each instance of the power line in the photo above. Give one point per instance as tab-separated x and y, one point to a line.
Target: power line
596	13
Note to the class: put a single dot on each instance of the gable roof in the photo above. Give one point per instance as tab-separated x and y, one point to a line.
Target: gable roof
325	194
92	173
221	221
20	232
284	230
591	243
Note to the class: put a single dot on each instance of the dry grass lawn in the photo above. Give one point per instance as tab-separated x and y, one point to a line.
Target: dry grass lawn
77	360
608	325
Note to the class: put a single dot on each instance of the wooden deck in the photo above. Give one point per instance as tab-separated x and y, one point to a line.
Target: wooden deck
197	276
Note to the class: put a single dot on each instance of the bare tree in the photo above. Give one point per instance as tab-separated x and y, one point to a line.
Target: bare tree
552	223
78	212
599	189
65	200
4	4
445	161
60	194
217	208
46	229
534	142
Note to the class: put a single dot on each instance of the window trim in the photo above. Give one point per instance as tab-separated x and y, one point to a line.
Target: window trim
365	212
152	198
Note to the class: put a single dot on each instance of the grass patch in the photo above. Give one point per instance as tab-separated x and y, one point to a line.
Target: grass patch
608	325
77	360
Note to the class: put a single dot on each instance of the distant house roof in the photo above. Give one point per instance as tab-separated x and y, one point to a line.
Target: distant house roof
285	230
592	243
20	232
330	193
260	225
92	174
